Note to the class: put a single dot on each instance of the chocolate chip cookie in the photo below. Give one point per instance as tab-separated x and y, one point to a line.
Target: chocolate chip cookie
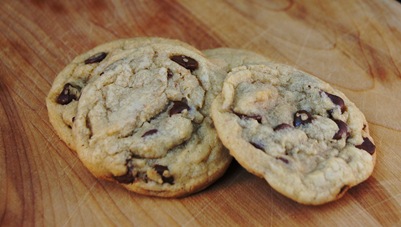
144	122
307	139
63	97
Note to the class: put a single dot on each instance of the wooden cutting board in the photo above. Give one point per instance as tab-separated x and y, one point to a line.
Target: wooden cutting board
353	45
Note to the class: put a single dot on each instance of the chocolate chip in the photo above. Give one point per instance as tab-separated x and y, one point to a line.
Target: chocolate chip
185	61
160	170
70	92
302	117
283	160
127	178
367	145
330	113
281	127
258	118
96	58
169	74
257	146
169	180
337	101
364	127
150	132
178	107
342	129
145	178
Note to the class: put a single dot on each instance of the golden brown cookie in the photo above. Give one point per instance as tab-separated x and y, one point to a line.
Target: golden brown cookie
145	124
305	138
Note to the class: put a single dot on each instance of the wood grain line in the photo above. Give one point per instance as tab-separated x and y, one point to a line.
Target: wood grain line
377	202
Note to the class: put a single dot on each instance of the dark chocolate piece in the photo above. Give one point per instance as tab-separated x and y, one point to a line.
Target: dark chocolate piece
178	107
342	129
282	126
302	117
160	170
129	177
367	145
337	101
185	61
258	118
70	92
96	58
257	146
168	180
150	132
169	74
283	160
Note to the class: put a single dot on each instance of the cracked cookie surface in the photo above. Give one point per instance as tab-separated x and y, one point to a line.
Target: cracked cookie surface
308	140
145	121
62	99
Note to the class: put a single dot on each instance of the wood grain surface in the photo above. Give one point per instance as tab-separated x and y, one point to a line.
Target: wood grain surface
354	45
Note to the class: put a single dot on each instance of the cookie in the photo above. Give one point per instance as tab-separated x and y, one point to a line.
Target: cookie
305	138
62	99
144	122
229	58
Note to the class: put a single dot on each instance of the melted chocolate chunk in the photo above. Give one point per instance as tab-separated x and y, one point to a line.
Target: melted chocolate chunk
169	180
283	160
127	178
185	61
178	107
281	127
160	170
169	74
96	58
145	178
330	113
302	117
337	101
258	118
342	129
70	92
257	146
367	145
150	132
